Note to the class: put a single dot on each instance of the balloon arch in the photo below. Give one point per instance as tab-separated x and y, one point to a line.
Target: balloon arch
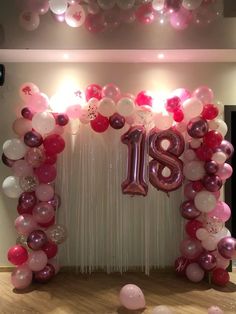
106	15
184	137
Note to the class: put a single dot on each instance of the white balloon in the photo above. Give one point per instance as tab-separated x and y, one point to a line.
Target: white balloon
219	125
191	4
158	5
14	149
125	106
163	120
75	15
202	234
11	187
125	4
205	201
192	108
29	20
219	157
106	107
106	4
58	6
43	122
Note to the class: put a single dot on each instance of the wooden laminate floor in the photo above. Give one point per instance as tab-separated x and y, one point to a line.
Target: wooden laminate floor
98	293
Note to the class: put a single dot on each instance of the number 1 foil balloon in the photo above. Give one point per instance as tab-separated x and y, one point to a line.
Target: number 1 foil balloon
135	183
166	158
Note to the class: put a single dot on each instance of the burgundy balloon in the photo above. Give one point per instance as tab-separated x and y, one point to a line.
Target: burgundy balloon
173	4
197	127
7	162
45	274
227	247
207	261
33	139
212	183
117	121
55	202
27	200
166	158
227	148
189	211
135	183
27	113
211	167
62	119
37	239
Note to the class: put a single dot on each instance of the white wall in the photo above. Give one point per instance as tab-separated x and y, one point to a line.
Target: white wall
130	77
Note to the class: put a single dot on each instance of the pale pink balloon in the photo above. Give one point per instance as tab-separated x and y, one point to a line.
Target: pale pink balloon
191	248
25	224
27	90
214	310
21	277
21	126
204	94
22	168
221	211
37	260
132	298
55	264
194	272
29	20
111	91
74	111
182	93
220	261
44	192
225	171
38	102
210	244
43	212
189	155
181	19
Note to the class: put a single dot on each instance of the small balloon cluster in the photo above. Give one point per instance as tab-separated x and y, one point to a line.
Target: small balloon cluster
132	298
209	246
101	15
32	156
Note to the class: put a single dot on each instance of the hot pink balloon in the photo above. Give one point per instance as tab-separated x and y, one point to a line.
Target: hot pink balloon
181	19
145	14
221	211
46	173
37	260
44	192
25	224
225	171
131	297
21	277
